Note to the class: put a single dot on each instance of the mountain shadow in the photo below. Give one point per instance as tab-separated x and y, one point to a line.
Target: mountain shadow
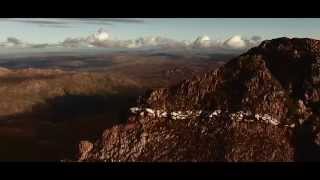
59	123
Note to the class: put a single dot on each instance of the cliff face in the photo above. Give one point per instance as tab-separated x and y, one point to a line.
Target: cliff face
269	103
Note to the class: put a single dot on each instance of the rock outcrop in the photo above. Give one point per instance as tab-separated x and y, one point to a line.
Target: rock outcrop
280	79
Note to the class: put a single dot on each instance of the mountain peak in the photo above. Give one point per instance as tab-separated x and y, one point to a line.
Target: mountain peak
286	44
268	100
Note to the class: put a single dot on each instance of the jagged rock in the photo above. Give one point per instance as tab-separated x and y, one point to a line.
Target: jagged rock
85	147
279	78
317	139
194	140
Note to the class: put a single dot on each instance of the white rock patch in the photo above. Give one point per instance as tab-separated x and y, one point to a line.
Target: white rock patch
239	116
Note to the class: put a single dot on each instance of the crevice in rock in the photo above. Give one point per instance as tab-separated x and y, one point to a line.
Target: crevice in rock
305	147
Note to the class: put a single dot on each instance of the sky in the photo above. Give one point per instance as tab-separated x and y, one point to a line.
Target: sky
131	33
41	31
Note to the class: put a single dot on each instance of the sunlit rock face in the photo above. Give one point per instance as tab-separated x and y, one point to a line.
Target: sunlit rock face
260	106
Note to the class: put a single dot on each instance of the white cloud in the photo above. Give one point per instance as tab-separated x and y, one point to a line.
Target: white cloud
101	35
206	42
103	39
236	42
202	42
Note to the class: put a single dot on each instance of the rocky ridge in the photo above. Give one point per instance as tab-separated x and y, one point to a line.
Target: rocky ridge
278	80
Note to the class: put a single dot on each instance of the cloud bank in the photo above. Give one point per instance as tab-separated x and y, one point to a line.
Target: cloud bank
102	39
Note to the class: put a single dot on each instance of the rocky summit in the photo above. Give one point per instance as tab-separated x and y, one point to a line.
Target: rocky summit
277	82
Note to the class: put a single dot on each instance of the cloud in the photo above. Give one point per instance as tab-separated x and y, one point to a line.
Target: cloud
40	45
106	20
100	35
14	41
42	22
123	20
102	39
155	41
202	41
74	42
236	42
256	38
69	22
206	42
98	39
47	22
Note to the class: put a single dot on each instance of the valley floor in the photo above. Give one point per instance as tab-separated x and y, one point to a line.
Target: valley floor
44	113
